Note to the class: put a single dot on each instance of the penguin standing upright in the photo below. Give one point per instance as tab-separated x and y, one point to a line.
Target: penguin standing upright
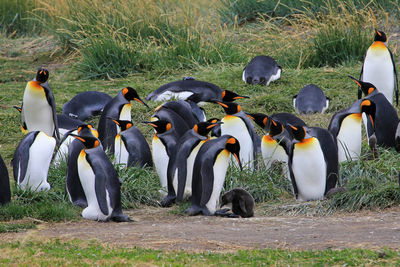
32	159
163	144
313	163
237	124
5	192
131	147
39	107
209	172
379	68
100	183
180	169
119	108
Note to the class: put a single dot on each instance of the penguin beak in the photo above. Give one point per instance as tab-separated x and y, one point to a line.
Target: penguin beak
357	81
219	103
18	108
78	137
238	160
240	97
140	101
150	123
250	116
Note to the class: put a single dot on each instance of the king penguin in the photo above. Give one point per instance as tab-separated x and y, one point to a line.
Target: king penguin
163	147
237	124
119	108
180	170
379	68
131	148
261	70
100	183
313	162
39	107
5	192
209	172
72	182
32	159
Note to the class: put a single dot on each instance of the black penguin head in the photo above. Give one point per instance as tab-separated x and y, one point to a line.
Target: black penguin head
123	125
380	36
366	87
130	94
369	108
229	96
275	128
298	132
233	146
88	141
215	131
229	107
203	128
87	129
259	118
161	126
42	75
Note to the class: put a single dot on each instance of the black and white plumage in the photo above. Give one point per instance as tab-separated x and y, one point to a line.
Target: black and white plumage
261	70
310	99
5	192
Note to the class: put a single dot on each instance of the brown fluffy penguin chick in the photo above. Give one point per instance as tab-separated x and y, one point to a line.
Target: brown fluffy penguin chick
242	202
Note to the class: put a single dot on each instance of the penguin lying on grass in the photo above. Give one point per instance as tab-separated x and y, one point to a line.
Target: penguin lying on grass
242	203
261	70
310	99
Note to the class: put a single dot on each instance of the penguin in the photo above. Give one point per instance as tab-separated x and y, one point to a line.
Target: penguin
5	192
181	164
242	202
24	128
86	104
216	130
386	119
39	107
119	108
32	159
184	89
313	162
66	124
72	182
100	183
178	123
310	99
261	70
379	68
209	172
237	124
346	126
183	109
131	148
163	147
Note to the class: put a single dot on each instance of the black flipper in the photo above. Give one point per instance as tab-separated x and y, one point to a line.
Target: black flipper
21	156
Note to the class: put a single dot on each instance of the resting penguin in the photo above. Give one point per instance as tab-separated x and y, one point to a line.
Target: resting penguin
237	124
32	159
379	68
119	108
261	70
163	147
183	109
131	148
310	99
72	182
209	172
5	192
242	202
386	118
180	169
346	126
86	104
66	124
100	183
313	162
39	107
194	90
179	124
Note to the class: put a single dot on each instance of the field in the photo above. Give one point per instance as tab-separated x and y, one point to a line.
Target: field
162	41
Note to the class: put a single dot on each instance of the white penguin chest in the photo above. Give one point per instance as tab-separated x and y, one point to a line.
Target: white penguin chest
125	114
120	151
160	159
271	151
349	138
309	169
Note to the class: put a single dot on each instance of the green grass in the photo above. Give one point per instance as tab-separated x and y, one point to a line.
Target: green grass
15	227
88	254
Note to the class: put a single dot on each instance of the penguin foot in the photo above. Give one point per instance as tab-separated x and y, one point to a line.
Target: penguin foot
372	144
168	201
121	218
193	210
80	203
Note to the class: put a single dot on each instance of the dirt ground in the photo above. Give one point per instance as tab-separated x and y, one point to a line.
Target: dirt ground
157	228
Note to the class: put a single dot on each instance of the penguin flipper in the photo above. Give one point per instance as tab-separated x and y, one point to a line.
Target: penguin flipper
72	181
207	185
5	192
396	78
52	103
21	157
295	190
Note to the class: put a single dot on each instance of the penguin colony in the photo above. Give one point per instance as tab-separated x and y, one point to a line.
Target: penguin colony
191	164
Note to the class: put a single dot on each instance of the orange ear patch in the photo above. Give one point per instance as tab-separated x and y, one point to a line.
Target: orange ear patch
124	91
370	90
239	108
169	126
231	141
265	120
196	128
365	103
96	143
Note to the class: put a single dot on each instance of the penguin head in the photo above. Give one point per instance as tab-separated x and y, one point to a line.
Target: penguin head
229	96
233	146
87	129
161	126
369	108
229	107
298	132
259	118
123	125
130	94
380	36
88	141
203	128
215	131
275	128
42	75
366	87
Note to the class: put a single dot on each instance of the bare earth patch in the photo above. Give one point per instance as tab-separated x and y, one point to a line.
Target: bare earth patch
157	228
